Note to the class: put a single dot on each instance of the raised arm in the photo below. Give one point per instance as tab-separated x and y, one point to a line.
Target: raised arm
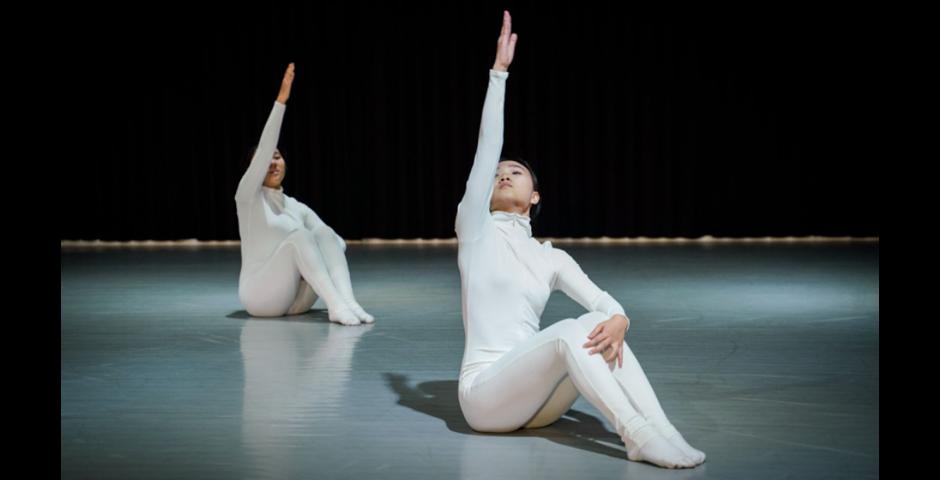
253	179
474	207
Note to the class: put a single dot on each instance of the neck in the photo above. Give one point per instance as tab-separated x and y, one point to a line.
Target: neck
516	210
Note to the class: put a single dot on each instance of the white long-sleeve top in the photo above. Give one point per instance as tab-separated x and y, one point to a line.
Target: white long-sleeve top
506	276
266	216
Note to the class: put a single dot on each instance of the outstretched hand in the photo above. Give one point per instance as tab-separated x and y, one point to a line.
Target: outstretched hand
506	45
286	83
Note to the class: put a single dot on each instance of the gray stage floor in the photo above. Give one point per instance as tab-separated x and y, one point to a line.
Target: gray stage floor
764	356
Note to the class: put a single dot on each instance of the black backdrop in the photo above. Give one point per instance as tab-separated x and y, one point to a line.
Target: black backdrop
743	123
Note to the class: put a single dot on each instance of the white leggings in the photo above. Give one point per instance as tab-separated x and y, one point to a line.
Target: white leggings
303	260
537	382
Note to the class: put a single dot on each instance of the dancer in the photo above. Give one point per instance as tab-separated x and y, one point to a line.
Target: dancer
514	375
286	248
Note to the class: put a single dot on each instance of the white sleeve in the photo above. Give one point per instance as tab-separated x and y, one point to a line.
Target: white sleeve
570	279
313	221
253	179
474	207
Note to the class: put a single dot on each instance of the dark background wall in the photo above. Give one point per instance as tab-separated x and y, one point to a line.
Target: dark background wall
706	123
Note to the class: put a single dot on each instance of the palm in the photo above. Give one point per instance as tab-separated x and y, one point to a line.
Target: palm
286	83
506	45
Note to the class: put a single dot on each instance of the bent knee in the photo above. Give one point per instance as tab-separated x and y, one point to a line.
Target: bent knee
590	320
570	329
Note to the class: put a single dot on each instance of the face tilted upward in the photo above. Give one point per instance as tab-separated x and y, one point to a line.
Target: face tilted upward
276	171
514	189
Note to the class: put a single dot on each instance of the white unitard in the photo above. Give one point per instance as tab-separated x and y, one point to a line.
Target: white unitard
514	375
286	248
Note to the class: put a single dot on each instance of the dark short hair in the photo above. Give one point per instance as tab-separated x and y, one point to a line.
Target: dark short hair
535	180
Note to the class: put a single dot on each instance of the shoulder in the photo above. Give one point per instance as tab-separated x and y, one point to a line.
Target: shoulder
558	257
294	202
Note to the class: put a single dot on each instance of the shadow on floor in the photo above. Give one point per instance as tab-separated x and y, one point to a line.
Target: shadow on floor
439	399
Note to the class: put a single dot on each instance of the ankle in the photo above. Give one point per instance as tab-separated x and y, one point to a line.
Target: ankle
637	432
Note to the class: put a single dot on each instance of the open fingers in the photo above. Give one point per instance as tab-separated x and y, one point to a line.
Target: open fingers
601	346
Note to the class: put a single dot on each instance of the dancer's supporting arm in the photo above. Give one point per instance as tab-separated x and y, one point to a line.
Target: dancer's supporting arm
253	179
474	208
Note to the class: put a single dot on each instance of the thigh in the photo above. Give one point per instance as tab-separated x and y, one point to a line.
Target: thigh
508	394
558	403
565	394
270	289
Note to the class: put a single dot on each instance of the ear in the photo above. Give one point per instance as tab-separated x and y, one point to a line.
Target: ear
535	198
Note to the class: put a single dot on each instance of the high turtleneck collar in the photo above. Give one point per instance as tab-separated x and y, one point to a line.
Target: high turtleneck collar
275	195
513	220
